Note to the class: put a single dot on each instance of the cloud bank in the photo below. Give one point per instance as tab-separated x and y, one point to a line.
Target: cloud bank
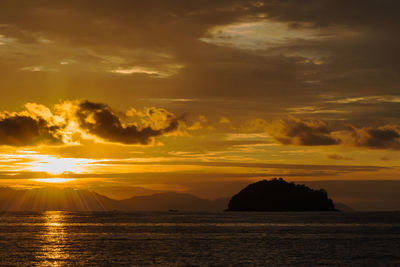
73	121
384	137
294	131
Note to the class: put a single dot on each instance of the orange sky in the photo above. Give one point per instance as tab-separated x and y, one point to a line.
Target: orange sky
204	97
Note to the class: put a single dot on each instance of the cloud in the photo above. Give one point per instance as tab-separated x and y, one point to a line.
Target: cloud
72	122
100	120
384	137
24	130
294	131
169	71
261	34
37	68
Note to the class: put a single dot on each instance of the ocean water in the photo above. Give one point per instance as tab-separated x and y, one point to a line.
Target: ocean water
200	239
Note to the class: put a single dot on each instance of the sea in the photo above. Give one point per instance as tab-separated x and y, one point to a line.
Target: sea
59	238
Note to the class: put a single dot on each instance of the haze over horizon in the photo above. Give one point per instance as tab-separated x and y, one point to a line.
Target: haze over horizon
201	97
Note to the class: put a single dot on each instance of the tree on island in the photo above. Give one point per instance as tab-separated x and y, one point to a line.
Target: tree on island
279	195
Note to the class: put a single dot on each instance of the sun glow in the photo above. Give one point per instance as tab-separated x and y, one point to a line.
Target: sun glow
53	165
53	180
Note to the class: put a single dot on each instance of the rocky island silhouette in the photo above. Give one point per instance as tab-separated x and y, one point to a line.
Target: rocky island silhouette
279	195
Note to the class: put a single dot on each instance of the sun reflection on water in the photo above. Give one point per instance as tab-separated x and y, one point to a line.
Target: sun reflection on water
54	250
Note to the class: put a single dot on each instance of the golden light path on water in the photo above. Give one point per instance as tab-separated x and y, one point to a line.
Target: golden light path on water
54	252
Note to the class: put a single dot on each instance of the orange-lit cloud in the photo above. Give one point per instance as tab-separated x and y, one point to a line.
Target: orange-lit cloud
71	121
98	119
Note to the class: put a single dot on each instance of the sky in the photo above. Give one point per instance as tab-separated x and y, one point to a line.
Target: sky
133	97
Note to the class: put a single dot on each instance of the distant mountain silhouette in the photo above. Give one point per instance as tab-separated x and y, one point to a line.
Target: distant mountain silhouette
173	201
343	207
68	199
279	195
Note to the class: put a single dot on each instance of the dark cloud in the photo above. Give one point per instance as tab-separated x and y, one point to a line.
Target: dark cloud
297	132
384	137
20	130
100	120
294	131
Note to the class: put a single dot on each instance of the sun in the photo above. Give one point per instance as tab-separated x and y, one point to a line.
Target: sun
53	165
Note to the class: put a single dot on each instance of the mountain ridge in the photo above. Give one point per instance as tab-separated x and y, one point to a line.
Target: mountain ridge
69	199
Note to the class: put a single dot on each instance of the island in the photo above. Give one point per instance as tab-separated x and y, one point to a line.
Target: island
279	195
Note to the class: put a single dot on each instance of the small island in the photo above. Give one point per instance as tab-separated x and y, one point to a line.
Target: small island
279	195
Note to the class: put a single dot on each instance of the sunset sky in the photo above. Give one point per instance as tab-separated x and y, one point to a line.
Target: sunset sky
133	97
